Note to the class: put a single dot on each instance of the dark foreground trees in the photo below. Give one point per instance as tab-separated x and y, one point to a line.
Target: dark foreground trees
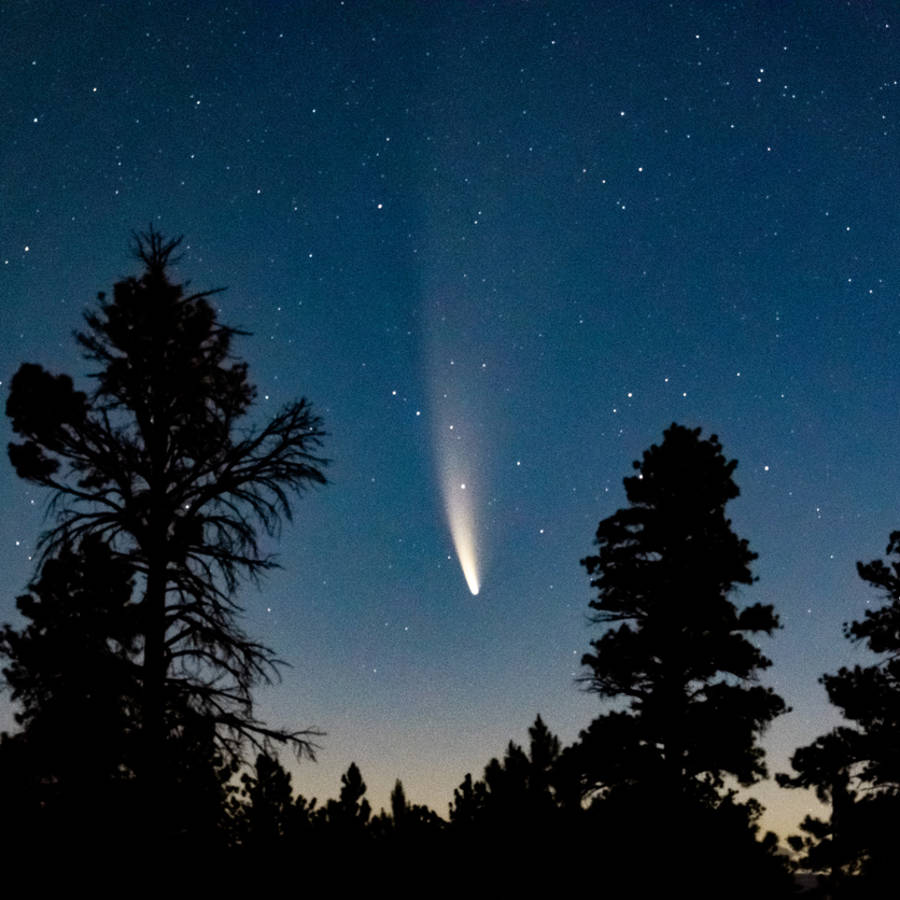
675	654
72	671
855	768
523	797
156	464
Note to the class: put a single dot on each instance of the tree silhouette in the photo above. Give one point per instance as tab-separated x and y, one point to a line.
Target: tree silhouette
400	808
467	806
157	464
408	826
835	847
675	652
856	770
349	814
523	799
75	660
270	801
268	821
73	671
675	646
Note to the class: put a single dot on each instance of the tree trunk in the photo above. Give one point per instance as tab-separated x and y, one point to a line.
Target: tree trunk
153	774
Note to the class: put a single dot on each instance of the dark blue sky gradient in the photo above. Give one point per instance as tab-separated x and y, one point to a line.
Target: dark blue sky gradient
608	216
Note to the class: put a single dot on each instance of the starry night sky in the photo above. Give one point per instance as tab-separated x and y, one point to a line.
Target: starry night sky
556	226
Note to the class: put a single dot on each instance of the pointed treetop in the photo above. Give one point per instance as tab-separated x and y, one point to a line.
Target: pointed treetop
154	250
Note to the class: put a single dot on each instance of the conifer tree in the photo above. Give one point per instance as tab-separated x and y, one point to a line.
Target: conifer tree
349	814
676	660
268	816
72	670
523	791
157	463
855	768
675	648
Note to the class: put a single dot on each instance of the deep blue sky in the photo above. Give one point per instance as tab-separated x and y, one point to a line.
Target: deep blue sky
580	222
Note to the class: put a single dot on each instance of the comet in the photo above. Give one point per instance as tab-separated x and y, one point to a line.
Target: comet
458	505
457	382
458	470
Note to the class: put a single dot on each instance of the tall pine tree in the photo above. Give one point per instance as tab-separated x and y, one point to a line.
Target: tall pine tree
675	655
157	463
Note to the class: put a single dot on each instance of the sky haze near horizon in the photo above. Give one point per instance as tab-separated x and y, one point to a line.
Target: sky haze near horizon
580	221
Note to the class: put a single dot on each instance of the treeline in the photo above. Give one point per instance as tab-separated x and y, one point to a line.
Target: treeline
524	822
133	680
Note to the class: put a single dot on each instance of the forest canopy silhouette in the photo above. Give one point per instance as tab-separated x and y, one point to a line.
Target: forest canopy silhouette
159	492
